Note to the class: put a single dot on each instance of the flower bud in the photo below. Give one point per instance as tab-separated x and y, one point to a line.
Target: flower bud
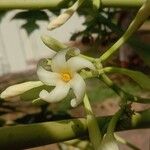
18	89
61	19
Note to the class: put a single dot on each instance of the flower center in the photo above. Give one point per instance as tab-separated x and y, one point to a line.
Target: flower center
66	77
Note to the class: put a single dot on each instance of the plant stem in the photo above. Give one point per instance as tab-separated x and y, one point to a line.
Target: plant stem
118	3
139	77
94	131
140	47
123	94
113	122
142	15
33	4
57	4
25	136
114	87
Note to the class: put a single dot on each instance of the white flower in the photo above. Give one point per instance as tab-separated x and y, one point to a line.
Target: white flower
109	143
64	76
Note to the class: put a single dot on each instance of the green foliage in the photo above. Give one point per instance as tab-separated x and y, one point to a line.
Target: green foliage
33	94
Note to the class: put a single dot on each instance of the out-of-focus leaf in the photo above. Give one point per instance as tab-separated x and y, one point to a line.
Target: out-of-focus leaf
94	25
31	16
30	27
139	77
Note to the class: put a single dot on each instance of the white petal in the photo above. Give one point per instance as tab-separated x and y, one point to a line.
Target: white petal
78	86
19	89
57	94
59	61
109	143
78	63
48	77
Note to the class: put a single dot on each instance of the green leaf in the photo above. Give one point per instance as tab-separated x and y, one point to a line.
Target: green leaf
31	16
30	27
139	77
33	94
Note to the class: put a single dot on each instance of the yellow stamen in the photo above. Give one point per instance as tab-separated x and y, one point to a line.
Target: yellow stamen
66	77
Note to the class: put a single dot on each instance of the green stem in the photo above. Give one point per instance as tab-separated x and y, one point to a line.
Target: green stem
139	77
141	16
123	94
94	132
33	4
119	3
57	4
140	47
109	83
113	122
25	136
114	87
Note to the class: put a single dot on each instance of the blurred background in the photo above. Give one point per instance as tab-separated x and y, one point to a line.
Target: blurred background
21	48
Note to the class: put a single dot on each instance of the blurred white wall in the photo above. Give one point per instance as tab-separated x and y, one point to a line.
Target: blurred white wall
18	51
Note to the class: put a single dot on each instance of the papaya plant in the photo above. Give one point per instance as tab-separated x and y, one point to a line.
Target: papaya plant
68	69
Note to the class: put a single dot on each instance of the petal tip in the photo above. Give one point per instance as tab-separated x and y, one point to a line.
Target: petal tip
43	94
3	95
51	27
73	103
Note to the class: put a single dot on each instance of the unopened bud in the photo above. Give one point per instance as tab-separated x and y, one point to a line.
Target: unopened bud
61	19
18	89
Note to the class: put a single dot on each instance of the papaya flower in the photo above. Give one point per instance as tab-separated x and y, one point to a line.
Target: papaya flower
64	76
